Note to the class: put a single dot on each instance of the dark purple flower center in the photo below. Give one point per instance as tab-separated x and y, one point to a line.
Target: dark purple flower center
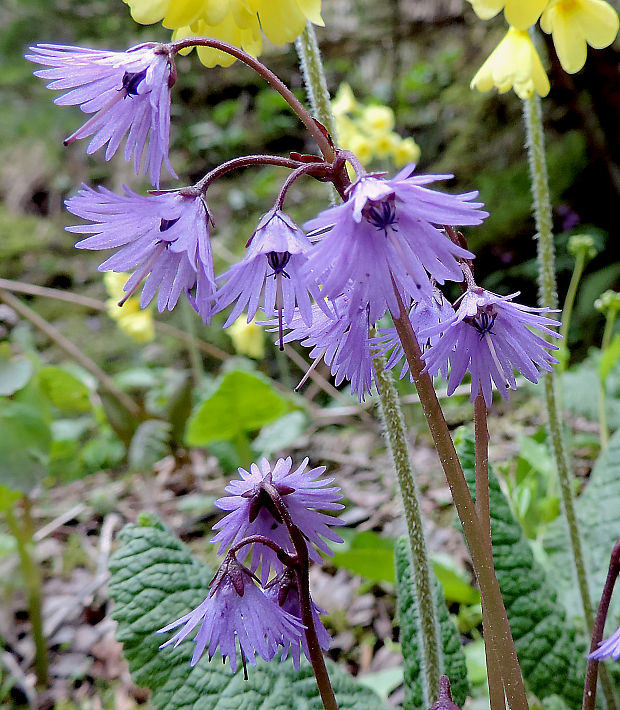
131	81
382	216
278	261
484	323
165	224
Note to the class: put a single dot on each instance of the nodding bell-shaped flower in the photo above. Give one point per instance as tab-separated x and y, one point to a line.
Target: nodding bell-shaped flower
272	274
236	609
128	93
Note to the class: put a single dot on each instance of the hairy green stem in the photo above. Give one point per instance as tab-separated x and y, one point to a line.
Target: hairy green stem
548	297
428	628
475	533
23	531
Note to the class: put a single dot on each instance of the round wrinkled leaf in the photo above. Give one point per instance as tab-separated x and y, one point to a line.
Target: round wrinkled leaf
14	374
64	390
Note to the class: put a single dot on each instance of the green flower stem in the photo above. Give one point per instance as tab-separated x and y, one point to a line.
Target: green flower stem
476	535
569	302
195	357
23	531
314	78
602	395
432	656
548	297
497	697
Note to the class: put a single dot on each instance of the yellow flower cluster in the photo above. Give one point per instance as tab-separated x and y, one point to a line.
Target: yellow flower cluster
238	22
368	130
573	24
136	323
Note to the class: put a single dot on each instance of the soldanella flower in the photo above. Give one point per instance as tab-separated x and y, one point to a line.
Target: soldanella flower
272	276
489	336
163	239
519	13
128	93
610	648
252	511
236	21
384	236
342	341
574	24
513	64
423	315
237	610
283	590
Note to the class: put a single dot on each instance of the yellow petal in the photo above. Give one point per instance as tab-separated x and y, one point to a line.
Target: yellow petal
486	9
312	10
523	13
281	20
147	12
568	38
182	33
598	21
183	12
214	12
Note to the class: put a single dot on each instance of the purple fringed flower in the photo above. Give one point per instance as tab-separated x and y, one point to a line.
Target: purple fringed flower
384	235
129	93
610	648
236	609
165	238
274	264
253	513
489	336
423	315
342	341
283	590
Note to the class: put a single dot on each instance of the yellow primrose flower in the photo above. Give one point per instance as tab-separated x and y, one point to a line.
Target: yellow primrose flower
236	21
247	338
519	13
137	323
513	64
378	119
405	152
576	23
344	101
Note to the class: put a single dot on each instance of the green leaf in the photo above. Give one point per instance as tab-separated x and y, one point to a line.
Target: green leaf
367	554
149	444
8	498
14	373
154	581
456	586
598	517
242	402
383	682
454	660
475	657
278	436
64	390
552	657
609	358
25	441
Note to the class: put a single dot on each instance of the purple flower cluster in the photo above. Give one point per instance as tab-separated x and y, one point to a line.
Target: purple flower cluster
386	246
263	614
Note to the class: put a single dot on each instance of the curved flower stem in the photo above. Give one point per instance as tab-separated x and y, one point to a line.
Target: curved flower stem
569	302
610	319
304	169
23	530
243	162
428	626
548	297
589	689
475	533
321	138
302	570
483	509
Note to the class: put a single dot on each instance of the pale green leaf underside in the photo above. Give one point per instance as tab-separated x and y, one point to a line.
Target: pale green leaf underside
154	581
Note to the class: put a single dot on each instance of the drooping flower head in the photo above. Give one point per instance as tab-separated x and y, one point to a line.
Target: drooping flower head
384	236
574	24
252	512
513	64
610	648
238	22
422	315
162	238
237	610
519	13
273	268
341	340
489	336
283	590
129	93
